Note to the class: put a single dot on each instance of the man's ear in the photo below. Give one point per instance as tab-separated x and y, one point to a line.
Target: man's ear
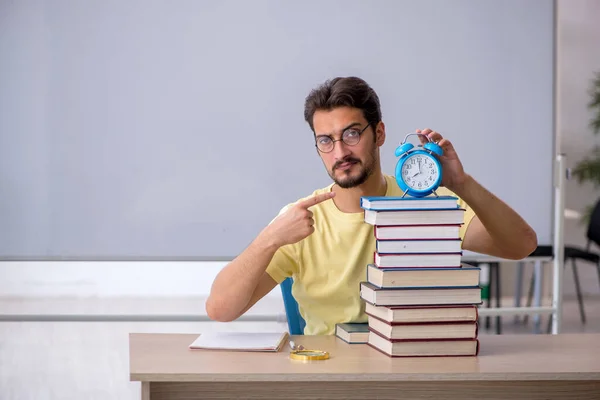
380	134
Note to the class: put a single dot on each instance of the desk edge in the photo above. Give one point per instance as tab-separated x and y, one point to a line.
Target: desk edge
406	377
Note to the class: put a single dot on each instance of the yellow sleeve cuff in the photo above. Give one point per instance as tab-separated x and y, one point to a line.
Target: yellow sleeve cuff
468	217
283	264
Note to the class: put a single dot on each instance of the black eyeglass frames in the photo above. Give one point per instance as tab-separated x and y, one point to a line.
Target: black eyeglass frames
350	136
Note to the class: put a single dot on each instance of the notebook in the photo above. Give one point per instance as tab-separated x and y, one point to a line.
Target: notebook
240	341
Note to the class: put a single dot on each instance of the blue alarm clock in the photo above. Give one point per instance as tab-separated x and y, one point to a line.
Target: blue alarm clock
418	171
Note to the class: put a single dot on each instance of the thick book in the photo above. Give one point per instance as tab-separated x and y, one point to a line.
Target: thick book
464	275
420	295
416	314
408	202
353	332
415	217
418	246
399	232
424	347
417	260
424	330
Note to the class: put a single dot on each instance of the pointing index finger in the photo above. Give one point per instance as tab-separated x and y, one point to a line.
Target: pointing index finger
314	200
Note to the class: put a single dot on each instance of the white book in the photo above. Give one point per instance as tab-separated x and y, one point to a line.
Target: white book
415	260
384	232
464	275
420	314
415	217
419	296
419	246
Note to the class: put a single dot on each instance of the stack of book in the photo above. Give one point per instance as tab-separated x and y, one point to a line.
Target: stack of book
420	299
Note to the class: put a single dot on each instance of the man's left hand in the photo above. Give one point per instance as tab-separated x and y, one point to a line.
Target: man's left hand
453	174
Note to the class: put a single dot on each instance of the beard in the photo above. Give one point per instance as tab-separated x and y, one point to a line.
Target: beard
357	175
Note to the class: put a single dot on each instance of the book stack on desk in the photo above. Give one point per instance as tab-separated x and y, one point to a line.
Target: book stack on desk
420	299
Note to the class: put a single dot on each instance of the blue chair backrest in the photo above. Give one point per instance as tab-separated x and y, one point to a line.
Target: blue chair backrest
295	321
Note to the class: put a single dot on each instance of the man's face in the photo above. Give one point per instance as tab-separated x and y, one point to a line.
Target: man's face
348	165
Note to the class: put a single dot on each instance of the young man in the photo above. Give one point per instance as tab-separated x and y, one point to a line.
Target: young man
323	241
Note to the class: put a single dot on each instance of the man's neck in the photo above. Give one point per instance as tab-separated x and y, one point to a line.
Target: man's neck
348	200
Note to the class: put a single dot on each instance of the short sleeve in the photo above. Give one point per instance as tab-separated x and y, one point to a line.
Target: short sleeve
284	263
469	212
468	217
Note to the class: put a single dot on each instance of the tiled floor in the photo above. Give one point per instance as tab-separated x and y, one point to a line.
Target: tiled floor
89	360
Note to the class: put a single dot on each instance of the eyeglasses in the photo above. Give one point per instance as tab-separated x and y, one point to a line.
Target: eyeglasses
350	137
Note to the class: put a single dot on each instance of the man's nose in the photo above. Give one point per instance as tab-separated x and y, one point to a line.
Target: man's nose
340	149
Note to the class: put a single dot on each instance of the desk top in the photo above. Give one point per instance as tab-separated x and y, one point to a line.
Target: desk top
166	357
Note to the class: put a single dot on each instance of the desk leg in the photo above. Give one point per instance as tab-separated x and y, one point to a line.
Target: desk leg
145	390
537	293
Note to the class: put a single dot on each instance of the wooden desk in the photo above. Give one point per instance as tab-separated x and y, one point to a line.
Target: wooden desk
508	367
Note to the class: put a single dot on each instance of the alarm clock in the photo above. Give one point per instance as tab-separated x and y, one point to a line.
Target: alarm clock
418	171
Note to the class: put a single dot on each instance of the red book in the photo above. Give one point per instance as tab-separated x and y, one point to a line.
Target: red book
424	330
423	347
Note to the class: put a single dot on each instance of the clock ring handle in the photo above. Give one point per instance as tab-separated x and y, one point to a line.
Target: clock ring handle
431	145
416	134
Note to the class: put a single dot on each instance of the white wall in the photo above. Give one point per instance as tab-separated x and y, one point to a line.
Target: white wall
579	41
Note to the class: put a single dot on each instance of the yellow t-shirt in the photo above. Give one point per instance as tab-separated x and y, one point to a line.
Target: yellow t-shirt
328	266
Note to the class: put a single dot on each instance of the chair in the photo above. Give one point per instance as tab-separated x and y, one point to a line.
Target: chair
295	321
575	253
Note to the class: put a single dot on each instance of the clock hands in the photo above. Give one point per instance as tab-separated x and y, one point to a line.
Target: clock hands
419	171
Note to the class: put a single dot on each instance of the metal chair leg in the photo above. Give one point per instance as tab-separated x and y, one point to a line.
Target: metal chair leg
498	293
537	293
519	287
529	296
490	295
578	289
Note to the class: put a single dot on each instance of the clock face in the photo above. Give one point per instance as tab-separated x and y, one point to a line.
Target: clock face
420	172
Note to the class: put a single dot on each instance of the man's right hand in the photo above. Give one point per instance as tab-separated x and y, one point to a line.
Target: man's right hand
296	222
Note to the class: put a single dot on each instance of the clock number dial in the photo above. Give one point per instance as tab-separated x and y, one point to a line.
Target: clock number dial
420	172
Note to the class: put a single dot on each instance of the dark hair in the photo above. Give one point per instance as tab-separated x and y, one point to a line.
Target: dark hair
343	91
